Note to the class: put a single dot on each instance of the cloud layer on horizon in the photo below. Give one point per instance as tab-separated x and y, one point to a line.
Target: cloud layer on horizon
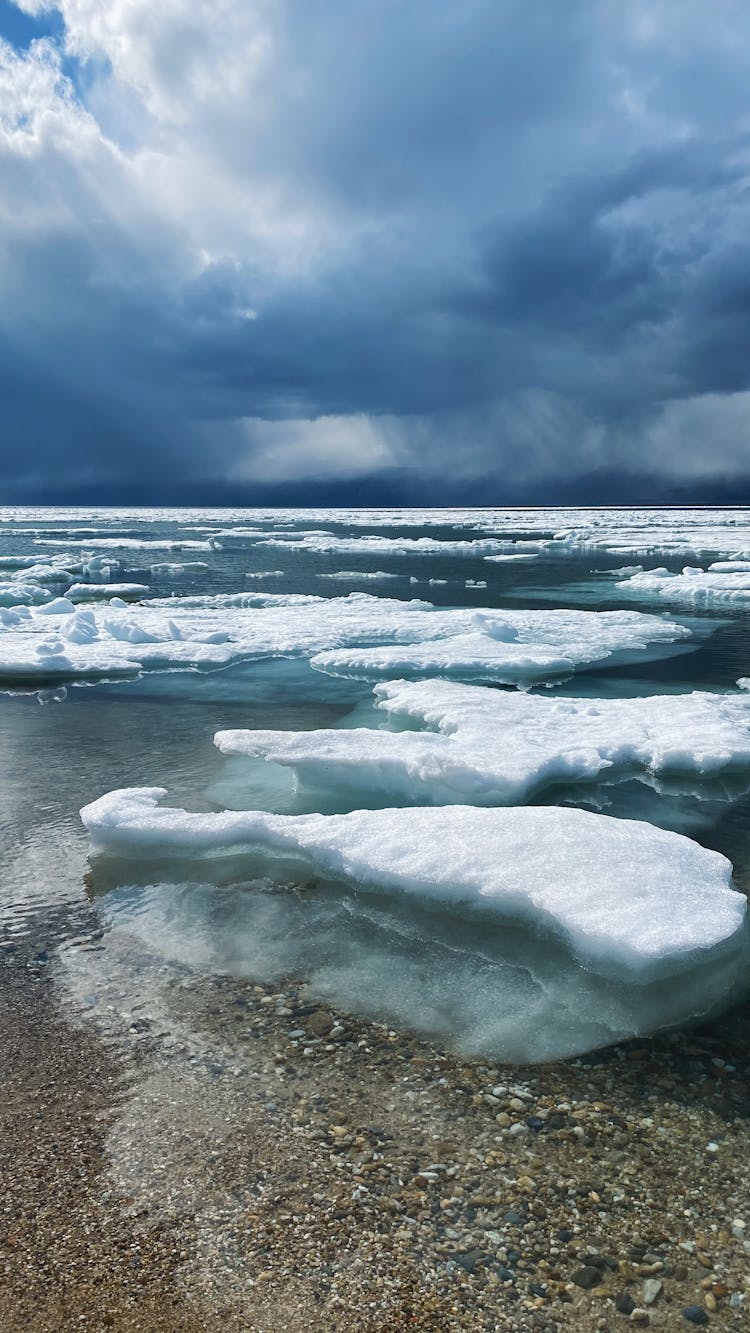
249	243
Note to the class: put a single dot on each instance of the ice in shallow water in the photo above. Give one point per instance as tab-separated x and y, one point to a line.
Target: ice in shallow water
208	651
436	901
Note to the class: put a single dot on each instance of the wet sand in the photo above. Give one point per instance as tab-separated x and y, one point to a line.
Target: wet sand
182	1152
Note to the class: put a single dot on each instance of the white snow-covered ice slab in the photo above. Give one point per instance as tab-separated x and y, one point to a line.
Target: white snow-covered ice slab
91	592
376	545
489	747
623	894
723	583
363	575
217	630
127	543
506	647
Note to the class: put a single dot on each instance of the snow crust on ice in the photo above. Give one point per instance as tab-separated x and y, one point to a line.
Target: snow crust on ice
490	747
505	647
623	894
722	583
215	631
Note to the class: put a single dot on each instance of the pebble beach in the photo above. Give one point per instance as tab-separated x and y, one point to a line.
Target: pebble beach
221	1155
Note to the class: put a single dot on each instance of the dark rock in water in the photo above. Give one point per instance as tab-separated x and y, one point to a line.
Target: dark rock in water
695	1314
586	1277
319	1023
514	1219
624	1302
592	1259
558	1120
535	1124
470	1260
564	1234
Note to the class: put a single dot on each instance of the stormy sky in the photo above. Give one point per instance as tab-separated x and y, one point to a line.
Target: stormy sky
391	250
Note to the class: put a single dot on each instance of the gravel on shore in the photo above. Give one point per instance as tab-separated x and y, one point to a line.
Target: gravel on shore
182	1152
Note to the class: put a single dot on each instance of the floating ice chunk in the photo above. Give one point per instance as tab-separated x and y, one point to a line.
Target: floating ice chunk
266	574
88	592
377	545
513	555
59	606
210	632
177	567
18	562
465	656
624	895
355	575
714	586
522	648
15	593
45	574
128	543
495	748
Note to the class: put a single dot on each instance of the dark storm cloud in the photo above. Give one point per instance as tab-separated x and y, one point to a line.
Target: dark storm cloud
501	242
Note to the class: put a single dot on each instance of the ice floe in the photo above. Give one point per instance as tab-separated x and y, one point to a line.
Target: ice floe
90	592
518	646
722	583
623	894
377	545
128	543
506	647
363	575
491	747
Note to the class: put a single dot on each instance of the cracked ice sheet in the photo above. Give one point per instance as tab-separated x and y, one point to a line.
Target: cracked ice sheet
59	643
627	897
724	583
489	747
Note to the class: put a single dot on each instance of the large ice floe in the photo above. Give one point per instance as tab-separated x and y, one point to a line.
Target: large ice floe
58	642
379	546
506	648
623	926
491	747
726	582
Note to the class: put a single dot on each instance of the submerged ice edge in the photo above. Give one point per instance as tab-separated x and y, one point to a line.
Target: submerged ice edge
625	895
